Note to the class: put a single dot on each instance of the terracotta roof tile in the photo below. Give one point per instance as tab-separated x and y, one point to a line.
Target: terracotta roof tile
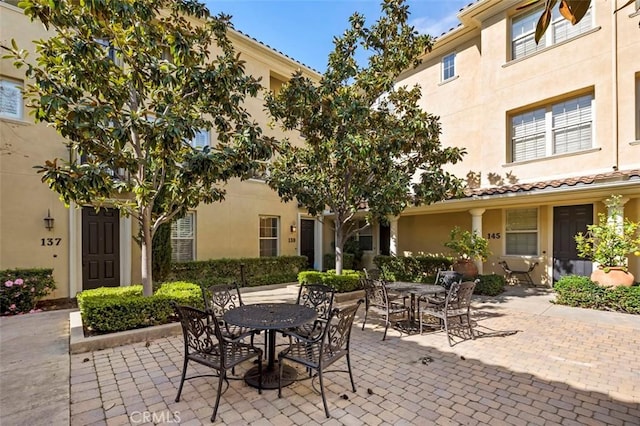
620	175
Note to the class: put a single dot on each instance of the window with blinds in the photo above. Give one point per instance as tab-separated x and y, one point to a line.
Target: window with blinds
521	232
523	29
183	238
200	140
11	99
448	66
269	226
558	128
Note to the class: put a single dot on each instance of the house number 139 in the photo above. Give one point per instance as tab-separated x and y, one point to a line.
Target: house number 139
50	241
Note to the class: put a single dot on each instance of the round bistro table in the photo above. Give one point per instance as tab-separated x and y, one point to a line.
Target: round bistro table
270	317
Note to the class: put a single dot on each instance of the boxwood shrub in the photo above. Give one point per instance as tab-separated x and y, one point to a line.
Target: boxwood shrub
111	309
579	291
490	285
348	281
420	269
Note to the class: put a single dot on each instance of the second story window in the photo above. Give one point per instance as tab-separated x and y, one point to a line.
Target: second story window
10	99
557	128
200	140
448	67
523	29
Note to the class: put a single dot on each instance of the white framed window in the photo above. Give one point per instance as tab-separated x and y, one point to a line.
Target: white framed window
11	105
109	50
521	232
269	235
523	29
448	66
183	240
200	140
563	127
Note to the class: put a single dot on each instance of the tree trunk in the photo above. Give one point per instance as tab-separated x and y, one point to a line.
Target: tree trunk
339	245
147	253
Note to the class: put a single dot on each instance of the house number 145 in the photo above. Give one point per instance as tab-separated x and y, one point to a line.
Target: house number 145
50	241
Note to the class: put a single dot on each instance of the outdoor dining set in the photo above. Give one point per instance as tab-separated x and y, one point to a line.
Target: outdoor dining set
317	334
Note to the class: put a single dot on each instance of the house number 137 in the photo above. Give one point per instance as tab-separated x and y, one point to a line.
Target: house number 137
50	241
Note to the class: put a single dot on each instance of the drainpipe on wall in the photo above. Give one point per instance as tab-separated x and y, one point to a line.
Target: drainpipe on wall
614	89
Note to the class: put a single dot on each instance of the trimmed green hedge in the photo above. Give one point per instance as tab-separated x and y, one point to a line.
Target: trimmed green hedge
258	271
111	309
420	269
329	261
21	289
490	285
579	291
348	281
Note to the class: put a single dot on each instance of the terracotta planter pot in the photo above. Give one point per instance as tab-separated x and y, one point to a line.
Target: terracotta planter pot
467	268
615	277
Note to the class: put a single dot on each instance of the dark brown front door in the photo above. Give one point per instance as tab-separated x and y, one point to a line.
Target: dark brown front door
567	222
385	239
100	248
307	240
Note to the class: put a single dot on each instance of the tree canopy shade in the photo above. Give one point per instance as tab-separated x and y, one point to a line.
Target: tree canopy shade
367	142
129	84
571	10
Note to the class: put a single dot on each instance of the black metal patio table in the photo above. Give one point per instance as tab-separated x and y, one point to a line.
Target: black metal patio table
413	290
270	317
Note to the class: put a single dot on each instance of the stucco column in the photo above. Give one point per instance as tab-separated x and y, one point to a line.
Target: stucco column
318	243
476	227
393	236
617	215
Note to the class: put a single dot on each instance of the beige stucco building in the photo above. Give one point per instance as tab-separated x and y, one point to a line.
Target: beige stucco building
251	221
551	131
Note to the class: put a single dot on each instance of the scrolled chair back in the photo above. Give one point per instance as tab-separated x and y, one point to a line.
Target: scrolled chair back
447	278
220	298
200	335
338	331
317	296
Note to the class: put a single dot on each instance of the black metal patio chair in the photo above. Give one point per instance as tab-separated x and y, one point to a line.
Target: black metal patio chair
220	298
319	297
457	306
321	351
205	344
377	300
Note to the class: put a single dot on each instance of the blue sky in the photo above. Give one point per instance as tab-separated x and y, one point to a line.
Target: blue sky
304	29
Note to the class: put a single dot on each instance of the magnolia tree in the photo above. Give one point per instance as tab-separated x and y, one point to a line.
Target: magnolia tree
367	142
129	84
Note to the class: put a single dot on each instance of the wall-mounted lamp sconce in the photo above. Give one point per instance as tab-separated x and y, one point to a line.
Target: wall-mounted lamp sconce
293	228
48	221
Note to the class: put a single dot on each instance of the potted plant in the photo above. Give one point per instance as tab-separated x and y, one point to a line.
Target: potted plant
469	246
609	243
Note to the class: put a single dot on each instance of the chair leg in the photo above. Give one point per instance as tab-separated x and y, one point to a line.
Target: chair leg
473	337
353	384
223	377
324	399
259	375
281	368
386	327
184	375
446	329
366	311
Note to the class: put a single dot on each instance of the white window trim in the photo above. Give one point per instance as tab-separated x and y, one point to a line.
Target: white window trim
192	238
506	232
201	139
9	84
548	37
549	130
276	238
442	67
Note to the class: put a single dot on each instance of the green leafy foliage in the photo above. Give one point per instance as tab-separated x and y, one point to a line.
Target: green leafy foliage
348	260
578	291
365	138
111	309
21	289
162	252
412	268
129	84
348	281
490	285
468	245
258	271
608	242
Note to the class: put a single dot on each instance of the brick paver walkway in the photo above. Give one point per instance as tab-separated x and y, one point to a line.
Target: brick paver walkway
523	369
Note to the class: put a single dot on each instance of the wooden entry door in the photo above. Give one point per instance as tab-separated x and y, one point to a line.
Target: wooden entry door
567	222
385	239
307	240
100	248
